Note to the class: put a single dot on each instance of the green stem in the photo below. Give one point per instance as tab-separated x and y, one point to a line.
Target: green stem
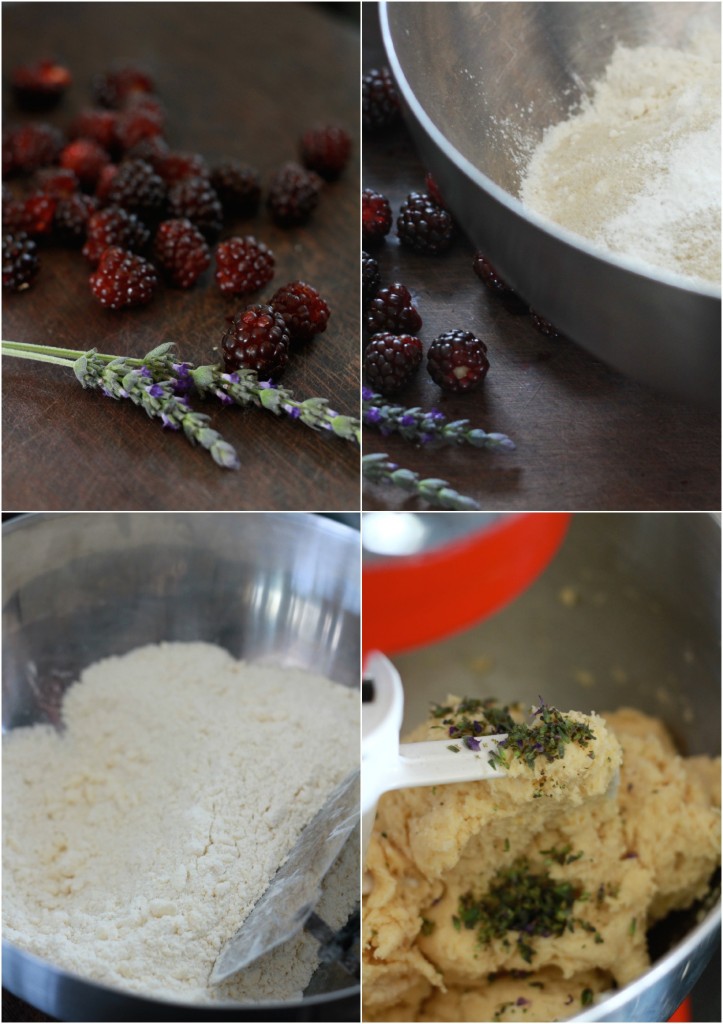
19	347
37	356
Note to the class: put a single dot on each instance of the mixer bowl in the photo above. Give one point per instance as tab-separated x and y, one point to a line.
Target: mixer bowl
480	82
279	588
627	613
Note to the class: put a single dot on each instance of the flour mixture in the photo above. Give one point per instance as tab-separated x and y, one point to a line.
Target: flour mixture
523	898
138	839
637	170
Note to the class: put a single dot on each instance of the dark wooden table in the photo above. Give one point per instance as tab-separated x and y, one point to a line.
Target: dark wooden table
587	438
238	80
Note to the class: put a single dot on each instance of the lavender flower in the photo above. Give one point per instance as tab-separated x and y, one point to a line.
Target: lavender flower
426	427
378	469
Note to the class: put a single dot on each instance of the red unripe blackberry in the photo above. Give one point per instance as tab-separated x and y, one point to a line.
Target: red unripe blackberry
257	339
137	188
115	88
142	120
38	213
98	125
181	252
86	159
392	310
424	226
326	150
376	217
238	187
41	85
303	310
33	146
114	226
123	279
59	182
174	166
293	195
456	361
20	262
196	200
391	360
371	278
243	265
380	100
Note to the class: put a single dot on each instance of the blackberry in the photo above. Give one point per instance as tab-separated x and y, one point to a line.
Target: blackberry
293	195
376	217
456	361
86	159
72	215
257	339
326	150
20	262
98	126
181	251
487	273
391	310
123	279
137	188
195	199
371	278
380	100
433	190
40	86
152	150
391	360
38	213
116	87
238	187
138	124
33	146
243	265
544	326
105	182
174	167
114	226
302	309
59	182
423	225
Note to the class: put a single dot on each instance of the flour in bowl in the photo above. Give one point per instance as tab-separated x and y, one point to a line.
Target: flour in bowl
137	840
637	170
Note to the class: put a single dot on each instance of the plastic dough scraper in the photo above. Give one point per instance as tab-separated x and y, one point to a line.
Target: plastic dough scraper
288	904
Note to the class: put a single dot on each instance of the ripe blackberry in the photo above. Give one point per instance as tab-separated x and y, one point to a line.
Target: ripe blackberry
116	87
123	279
257	339
424	226
33	146
326	150
371	278
114	226
72	215
456	361
174	166
137	188
293	195
97	125
196	200
380	100
86	159
38	213
391	360
151	150
238	187
302	309
487	273
544	326
13	213
105	182
243	265
376	217
391	310
20	262
138	124
40	86
181	251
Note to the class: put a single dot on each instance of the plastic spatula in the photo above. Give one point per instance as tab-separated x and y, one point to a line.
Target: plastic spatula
289	901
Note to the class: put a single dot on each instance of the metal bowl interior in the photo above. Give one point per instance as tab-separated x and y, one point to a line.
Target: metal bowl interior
279	588
628	613
480	82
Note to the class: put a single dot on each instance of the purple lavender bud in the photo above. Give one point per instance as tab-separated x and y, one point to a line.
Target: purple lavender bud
292	411
155	390
266	384
230	378
143	371
367	394
372	415
521	1001
471	742
181	369
223	398
408	420
167	422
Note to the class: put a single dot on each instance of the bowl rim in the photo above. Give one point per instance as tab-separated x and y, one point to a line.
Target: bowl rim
511	202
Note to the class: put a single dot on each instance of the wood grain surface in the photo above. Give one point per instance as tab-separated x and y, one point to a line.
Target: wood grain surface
239	80
587	438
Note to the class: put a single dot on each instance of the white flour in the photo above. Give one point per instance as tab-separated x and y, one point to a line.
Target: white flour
637	170
138	839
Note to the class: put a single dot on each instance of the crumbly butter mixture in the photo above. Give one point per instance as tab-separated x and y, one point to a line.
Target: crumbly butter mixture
137	840
637	169
612	836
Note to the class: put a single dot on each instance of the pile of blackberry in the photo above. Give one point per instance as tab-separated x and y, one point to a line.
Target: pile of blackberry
143	214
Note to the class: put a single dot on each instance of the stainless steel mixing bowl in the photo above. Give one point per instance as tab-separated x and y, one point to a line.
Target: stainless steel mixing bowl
628	613
480	82
281	588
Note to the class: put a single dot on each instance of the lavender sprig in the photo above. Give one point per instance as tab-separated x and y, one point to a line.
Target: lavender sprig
426	427
123	378
243	387
377	468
